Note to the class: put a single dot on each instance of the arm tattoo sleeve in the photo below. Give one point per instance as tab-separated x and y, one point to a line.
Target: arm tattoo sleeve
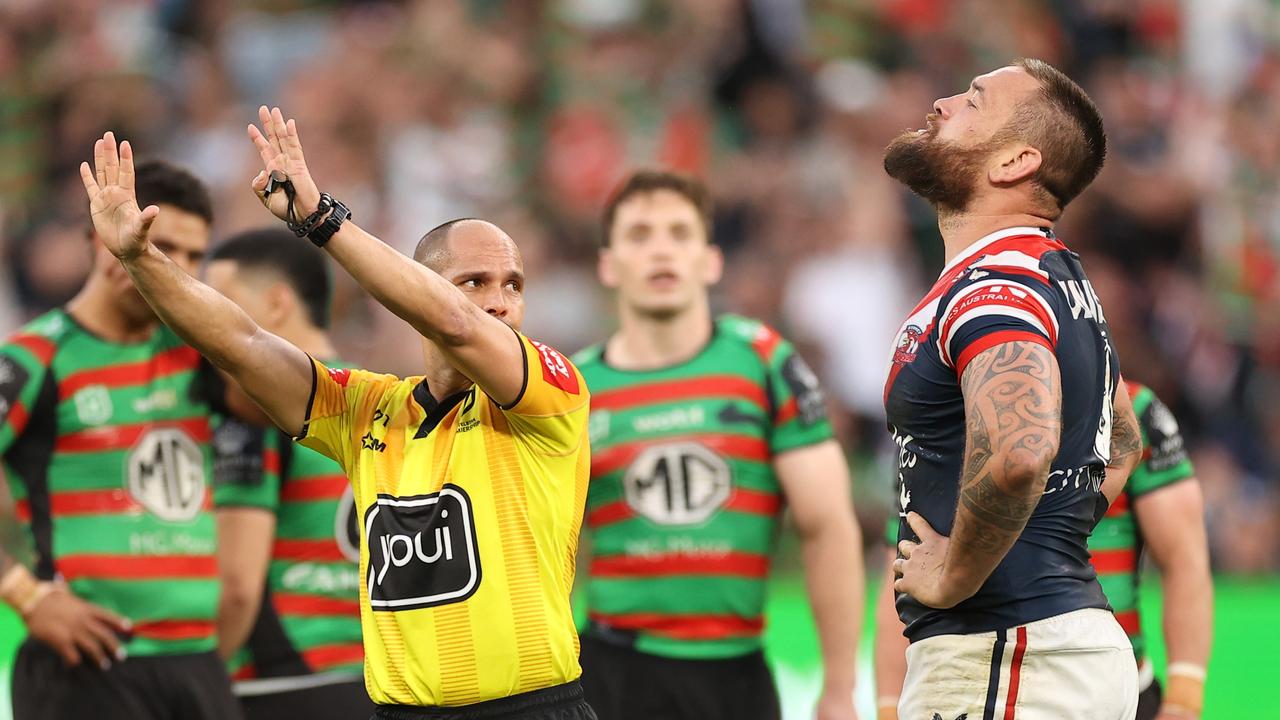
1013	411
1126	436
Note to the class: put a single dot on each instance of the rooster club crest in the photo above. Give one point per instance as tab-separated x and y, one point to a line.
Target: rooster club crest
908	344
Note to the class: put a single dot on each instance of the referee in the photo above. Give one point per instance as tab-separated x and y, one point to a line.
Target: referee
469	481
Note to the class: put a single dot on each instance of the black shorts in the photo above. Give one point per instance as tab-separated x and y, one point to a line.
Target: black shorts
194	687
562	702
336	701
1149	702
624	684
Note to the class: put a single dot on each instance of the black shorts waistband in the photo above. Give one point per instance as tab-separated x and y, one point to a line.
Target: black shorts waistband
552	698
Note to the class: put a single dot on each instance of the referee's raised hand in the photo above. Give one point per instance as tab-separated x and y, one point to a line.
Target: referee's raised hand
281	152
113	205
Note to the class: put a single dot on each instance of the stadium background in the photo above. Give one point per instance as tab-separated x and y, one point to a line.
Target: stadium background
527	111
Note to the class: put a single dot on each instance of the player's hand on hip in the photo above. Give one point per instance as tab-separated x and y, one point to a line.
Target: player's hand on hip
921	565
118	221
835	706
281	152
77	630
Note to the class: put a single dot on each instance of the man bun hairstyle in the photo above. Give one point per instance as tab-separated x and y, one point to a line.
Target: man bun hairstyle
645	181
160	183
1066	128
287	256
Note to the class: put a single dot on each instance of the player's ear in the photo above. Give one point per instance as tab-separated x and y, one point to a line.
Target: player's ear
280	303
1016	163
714	268
605	268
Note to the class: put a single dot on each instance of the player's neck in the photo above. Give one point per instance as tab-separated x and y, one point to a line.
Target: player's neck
95	309
310	339
645	342
961	230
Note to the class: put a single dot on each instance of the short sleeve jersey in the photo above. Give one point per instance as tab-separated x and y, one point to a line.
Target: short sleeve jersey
1015	285
1116	543
309	619
684	507
469	518
105	448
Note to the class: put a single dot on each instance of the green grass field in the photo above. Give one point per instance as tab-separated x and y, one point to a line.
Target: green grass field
1246	640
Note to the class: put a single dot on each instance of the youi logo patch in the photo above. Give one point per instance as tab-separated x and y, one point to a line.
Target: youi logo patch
422	550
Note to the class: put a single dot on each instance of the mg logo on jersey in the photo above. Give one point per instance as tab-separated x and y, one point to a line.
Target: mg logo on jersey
908	345
677	484
166	475
422	550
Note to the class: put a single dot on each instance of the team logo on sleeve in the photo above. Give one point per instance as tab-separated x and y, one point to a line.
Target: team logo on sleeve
422	550
804	386
342	376
237	455
12	377
556	370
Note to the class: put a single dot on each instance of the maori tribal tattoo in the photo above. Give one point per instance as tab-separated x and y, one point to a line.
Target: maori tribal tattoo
1126	436
1013	410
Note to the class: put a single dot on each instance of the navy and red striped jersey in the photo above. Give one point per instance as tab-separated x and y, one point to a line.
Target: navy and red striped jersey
1018	284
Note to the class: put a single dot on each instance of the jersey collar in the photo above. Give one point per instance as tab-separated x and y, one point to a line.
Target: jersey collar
987	240
435	410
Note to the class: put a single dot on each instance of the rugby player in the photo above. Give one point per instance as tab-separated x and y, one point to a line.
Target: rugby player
1161	511
703	429
288	539
469	480
1001	398
105	445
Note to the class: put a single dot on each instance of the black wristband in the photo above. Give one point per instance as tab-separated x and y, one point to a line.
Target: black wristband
320	234
312	221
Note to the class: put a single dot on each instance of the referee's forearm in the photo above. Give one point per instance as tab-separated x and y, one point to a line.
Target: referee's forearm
415	293
200	315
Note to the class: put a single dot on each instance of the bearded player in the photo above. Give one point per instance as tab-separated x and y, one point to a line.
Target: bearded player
703	429
105	445
1160	514
1001	397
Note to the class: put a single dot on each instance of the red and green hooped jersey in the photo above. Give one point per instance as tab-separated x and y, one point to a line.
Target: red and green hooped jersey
683	505
105	447
309	620
1116	543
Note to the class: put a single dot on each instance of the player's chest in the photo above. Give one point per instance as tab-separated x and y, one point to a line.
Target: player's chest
137	419
679	461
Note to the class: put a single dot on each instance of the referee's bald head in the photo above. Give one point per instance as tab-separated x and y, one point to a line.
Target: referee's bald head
480	259
436	251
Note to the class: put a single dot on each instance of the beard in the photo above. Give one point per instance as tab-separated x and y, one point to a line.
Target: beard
938	171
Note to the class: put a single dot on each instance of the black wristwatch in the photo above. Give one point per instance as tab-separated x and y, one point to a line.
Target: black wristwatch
320	234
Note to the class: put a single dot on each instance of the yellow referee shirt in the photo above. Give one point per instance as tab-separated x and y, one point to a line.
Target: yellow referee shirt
469	525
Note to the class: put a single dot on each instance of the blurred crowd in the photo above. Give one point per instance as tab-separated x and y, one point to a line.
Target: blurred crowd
526	112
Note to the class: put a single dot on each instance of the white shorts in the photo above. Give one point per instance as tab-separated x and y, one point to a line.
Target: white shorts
1076	666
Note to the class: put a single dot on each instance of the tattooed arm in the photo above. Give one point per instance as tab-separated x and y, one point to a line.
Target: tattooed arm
1126	445
1013	422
